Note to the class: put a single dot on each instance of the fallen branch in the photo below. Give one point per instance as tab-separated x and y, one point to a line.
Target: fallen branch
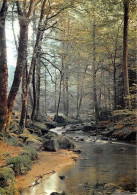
39	179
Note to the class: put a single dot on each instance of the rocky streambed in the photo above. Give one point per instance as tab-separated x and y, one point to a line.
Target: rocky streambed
105	166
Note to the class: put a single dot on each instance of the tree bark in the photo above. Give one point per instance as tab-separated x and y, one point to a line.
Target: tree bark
94	74
21	62
38	90
34	92
24	99
125	54
34	56
3	69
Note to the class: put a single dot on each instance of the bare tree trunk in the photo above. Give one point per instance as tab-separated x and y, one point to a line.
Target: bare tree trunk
67	92
61	79
38	90
24	18
35	53
31	98
24	97
63	88
21	63
125	54
3	69
57	111
78	90
55	90
94	74
34	92
46	92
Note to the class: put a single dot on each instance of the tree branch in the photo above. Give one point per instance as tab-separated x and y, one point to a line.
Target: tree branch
48	72
51	64
19	8
4	7
32	3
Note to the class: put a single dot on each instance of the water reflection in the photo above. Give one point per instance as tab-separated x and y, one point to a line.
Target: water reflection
53	184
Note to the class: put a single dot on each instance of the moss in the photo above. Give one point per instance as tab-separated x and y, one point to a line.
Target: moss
3	191
10	140
30	152
11	190
20	164
65	143
7	184
6	176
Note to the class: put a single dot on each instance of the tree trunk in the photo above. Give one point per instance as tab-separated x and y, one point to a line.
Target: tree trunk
78	90
46	92
61	79
35	51
24	98
67	92
38	90
21	62
55	90
3	71
94	74
34	92
125	54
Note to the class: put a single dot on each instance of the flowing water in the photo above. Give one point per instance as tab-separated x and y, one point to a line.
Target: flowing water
100	162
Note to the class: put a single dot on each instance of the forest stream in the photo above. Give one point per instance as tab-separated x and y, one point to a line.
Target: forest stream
101	162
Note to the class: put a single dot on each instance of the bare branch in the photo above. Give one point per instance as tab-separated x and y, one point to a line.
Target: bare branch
56	14
52	26
48	72
19	8
4	8
31	7
52	56
14	35
52	64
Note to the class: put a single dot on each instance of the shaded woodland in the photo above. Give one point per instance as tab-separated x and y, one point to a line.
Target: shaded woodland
75	58
68	95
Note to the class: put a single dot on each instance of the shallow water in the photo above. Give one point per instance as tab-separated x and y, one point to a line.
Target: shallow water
100	162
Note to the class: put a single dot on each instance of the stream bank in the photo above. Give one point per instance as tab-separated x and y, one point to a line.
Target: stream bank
47	164
104	167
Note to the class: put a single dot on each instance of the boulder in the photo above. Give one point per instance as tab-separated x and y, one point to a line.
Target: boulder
59	119
57	193
51	125
62	177
38	127
72	128
24	137
50	135
14	127
65	143
34	143
51	145
87	128
77	151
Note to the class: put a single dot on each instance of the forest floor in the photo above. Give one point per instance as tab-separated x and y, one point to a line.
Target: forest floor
122	126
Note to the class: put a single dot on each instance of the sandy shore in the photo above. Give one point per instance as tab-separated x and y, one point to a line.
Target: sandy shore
48	163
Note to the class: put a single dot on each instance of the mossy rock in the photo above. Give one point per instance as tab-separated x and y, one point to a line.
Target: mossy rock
65	143
31	152
51	145
25	136
7	176
20	164
50	135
